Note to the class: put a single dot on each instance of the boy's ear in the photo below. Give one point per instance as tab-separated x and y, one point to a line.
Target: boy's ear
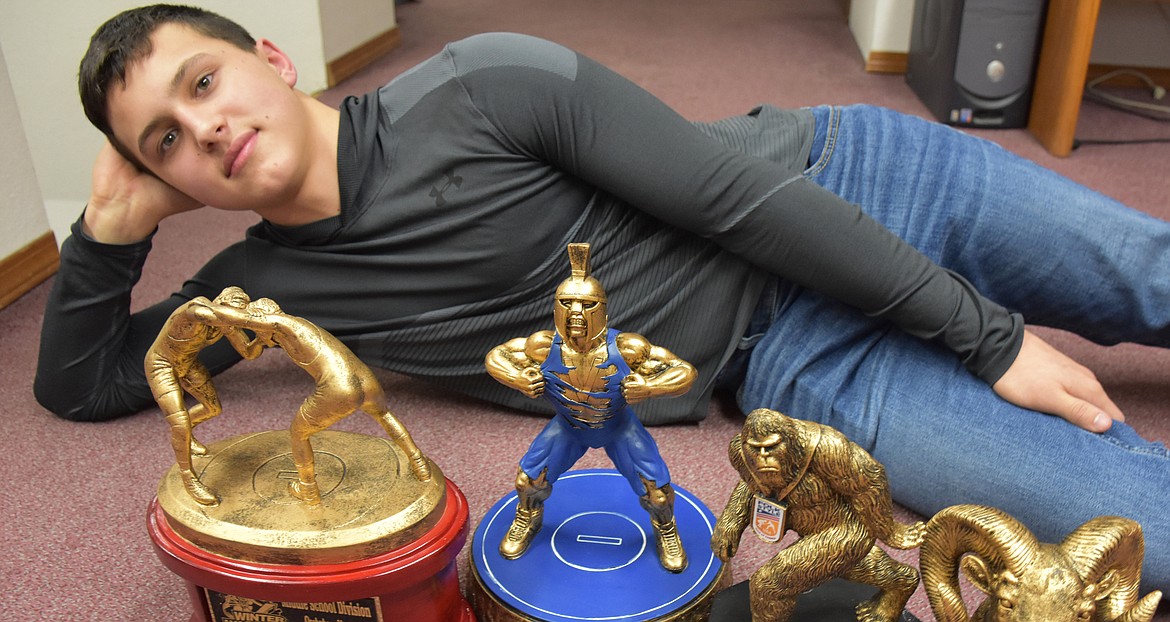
278	60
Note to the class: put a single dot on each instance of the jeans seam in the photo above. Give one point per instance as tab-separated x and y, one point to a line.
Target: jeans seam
1154	451
830	143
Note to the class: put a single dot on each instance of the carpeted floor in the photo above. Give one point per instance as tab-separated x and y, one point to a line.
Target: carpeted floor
75	545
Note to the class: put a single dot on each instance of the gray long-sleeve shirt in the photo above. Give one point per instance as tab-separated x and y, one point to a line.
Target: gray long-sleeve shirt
461	183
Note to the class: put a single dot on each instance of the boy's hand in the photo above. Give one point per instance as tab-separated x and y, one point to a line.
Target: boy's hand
125	204
1044	379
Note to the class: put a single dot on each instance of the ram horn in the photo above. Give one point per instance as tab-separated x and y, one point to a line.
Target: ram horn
1113	544
993	535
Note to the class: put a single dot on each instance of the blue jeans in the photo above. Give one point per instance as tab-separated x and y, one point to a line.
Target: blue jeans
1032	241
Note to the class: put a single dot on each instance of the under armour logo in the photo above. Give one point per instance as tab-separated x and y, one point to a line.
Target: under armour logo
437	191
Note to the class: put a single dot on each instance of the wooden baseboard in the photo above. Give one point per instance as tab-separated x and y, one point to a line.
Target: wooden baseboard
356	59
886	62
27	268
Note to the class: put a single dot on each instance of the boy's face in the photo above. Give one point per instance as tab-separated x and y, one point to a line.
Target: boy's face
220	124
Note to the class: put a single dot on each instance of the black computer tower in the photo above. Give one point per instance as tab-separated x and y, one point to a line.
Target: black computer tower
973	62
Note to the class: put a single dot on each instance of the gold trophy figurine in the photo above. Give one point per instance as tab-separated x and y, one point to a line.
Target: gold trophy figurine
1094	574
591	373
307	519
173	367
809	478
343	383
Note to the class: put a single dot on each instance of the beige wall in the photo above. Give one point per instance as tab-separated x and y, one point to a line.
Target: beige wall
346	24
1134	33
22	213
881	25
42	43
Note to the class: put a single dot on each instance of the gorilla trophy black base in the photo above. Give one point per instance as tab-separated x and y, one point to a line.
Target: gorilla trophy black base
832	602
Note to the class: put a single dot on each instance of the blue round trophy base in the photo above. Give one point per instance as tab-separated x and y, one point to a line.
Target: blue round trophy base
594	559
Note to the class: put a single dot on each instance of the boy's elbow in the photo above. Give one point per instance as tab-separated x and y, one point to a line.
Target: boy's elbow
70	406
58	402
52	403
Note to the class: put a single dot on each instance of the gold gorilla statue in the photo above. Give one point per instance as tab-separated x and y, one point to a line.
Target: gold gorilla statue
809	478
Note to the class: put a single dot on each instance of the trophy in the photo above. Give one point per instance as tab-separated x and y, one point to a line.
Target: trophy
809	478
1093	574
301	525
611	543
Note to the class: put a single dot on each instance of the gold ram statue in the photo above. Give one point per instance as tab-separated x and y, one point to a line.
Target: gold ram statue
1093	575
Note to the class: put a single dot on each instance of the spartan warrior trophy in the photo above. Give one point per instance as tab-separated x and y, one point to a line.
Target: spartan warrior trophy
809	478
591	374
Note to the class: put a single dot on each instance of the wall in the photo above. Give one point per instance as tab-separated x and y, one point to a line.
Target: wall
881	25
22	215
42	43
346	24
1135	33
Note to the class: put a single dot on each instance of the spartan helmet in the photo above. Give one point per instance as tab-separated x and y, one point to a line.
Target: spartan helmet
579	302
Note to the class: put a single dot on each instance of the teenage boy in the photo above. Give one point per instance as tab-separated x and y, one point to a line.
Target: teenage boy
791	255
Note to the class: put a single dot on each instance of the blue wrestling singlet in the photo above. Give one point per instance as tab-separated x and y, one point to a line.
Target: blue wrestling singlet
593	419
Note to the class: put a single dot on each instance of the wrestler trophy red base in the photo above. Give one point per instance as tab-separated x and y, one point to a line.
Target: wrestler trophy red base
611	544
309	524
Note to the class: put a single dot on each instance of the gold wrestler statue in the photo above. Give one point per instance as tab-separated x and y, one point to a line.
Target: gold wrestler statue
343	385
809	478
591	374
1093	574
173	366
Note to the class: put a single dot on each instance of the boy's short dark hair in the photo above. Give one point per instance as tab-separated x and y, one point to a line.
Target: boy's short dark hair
125	39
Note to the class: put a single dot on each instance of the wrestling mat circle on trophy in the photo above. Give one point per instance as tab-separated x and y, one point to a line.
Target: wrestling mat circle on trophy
594	559
367	505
